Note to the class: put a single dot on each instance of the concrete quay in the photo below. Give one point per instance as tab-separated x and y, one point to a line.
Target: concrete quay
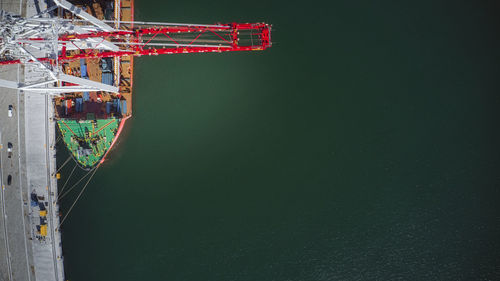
31	167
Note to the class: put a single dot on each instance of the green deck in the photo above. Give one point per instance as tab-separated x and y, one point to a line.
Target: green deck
88	140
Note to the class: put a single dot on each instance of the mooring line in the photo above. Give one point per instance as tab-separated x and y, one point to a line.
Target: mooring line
69	157
78	197
71	188
74	168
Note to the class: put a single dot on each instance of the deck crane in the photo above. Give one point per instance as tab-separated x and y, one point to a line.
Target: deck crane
51	41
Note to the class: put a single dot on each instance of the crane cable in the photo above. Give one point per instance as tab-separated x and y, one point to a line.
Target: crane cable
71	188
68	178
78	197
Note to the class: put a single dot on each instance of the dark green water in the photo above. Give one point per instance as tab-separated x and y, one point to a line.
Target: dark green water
362	146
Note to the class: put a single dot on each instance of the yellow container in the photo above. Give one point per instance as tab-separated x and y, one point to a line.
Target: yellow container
43	230
43	213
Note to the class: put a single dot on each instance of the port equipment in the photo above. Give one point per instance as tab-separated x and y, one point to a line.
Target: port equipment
163	38
49	41
43	230
141	38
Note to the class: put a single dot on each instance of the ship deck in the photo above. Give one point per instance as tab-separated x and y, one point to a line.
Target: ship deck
97	136
122	75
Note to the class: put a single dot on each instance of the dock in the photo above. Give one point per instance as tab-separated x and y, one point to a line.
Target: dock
30	243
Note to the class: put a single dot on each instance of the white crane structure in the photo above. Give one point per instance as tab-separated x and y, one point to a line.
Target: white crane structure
29	39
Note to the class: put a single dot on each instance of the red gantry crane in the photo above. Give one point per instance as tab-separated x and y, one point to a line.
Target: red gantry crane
161	38
50	41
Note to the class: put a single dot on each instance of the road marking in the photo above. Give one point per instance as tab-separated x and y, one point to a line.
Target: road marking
19	166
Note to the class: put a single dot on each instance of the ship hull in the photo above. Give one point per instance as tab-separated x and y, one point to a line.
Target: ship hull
90	123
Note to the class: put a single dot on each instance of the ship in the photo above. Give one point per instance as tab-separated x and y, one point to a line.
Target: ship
85	54
90	123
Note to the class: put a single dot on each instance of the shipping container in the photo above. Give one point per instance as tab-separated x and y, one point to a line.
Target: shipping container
106	65
43	230
108	107
124	107
83	68
107	78
79	104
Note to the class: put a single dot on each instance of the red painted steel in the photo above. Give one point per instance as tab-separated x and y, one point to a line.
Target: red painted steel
132	42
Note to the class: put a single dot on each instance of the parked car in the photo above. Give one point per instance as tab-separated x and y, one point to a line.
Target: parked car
9	149
10	110
9	179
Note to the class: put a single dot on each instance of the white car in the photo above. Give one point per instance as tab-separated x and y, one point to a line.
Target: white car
9	150
10	110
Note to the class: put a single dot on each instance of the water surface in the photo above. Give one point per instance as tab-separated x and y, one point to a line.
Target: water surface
362	146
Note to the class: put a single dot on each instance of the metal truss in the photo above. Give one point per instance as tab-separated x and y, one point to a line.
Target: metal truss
50	41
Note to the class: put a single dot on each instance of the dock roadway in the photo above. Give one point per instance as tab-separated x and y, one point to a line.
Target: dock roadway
16	258
32	167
